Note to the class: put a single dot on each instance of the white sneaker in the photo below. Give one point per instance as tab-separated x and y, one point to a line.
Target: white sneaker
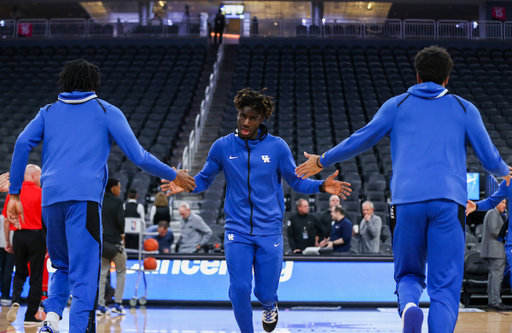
13	312
270	317
47	327
117	308
5	302
102	311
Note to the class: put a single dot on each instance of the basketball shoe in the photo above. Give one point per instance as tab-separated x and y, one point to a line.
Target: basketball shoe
47	327
118	308
270	317
412	318
13	312
102	311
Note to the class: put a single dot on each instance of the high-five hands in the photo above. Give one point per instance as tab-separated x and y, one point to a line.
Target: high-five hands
171	187
507	178
333	186
15	210
470	207
4	182
183	182
309	168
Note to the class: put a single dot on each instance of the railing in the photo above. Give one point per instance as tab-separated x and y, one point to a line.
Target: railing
343	28
452	29
486	30
103	28
383	28
419	29
386	28
68	28
7	28
200	121
32	28
507	30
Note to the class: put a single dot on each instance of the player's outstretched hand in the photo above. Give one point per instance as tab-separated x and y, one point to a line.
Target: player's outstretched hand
171	187
333	186
507	178
310	167
15	210
470	207
184	181
4	182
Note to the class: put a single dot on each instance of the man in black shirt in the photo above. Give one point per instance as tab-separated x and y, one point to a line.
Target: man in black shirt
113	250
218	28
304	230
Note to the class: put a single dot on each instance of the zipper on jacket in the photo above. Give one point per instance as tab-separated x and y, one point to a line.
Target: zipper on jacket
248	177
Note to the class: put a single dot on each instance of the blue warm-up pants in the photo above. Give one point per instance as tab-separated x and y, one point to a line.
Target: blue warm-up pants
243	252
74	246
430	231
508	252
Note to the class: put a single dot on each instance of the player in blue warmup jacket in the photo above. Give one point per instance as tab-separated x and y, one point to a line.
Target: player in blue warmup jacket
254	163
429	130
78	131
503	192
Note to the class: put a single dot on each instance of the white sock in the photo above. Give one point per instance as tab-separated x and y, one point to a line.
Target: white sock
407	306
53	318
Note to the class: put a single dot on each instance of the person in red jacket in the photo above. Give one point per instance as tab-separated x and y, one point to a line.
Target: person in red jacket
28	246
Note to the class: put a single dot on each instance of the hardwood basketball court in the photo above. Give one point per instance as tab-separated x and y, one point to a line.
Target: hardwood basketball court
196	320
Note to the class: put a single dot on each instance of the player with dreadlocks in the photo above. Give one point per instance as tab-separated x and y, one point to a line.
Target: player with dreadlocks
78	131
254	162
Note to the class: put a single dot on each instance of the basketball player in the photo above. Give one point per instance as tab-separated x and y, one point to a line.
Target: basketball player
78	131
503	192
254	163
429	129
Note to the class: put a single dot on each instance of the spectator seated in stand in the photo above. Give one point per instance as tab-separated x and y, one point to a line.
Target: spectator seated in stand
165	237
369	229
341	232
195	233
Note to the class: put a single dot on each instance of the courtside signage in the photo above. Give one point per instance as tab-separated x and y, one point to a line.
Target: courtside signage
300	281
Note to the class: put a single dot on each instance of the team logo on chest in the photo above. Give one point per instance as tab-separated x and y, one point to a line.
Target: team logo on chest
265	158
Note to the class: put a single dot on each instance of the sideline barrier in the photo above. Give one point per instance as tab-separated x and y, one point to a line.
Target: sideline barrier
202	279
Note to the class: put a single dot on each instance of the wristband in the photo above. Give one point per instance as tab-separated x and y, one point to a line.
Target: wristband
476	206
322	187
318	163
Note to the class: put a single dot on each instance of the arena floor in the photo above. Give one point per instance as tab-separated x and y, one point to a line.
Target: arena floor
175	320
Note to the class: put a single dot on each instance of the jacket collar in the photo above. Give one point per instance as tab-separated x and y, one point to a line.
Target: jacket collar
77	97
262	135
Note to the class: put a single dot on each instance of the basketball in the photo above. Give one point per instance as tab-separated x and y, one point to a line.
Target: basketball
150	245
150	263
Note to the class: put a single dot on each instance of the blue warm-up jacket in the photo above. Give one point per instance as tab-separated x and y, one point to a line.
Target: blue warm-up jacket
78	131
429	129
254	170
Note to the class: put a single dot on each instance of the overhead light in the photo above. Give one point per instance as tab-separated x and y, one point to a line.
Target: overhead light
370	6
161	3
303	21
